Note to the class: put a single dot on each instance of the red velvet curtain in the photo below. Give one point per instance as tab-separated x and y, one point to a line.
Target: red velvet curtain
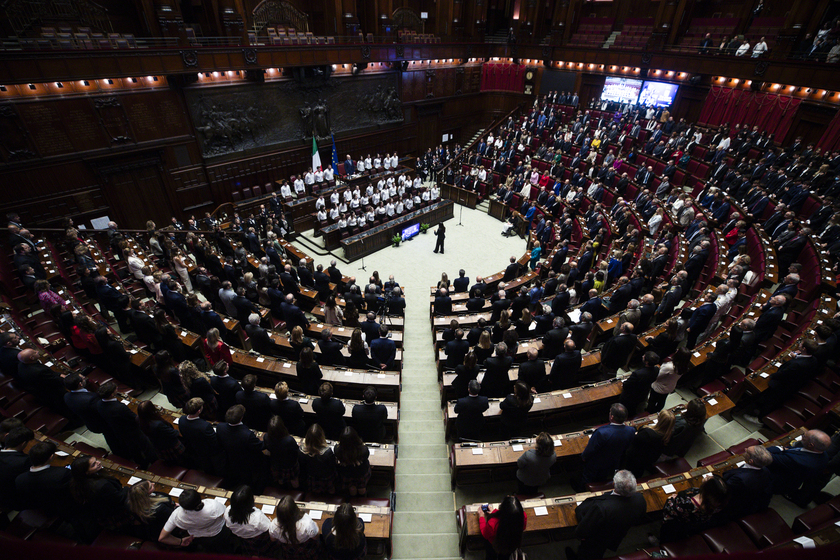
830	140
769	111
502	76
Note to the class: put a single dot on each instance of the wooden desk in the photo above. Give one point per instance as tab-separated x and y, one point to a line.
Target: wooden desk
497	209
379	237
464	197
497	460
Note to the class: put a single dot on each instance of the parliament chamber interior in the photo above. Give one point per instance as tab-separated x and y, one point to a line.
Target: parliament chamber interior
420	279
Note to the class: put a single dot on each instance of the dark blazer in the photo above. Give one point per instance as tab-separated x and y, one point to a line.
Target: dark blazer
498	306
511	272
615	352
768	322
383	351
579	333
370	329
123	423
243	451
605	450
565	369
603	521
443	305
369	420
461	284
330	416
331	352
645	448
202	445
595	307
47	490
84	405
791	467
226	389
293	316
533	373
750	490
560	302
290	411
257	409
455	352
553	342
496	381
260	340
12	465
636	388
470	418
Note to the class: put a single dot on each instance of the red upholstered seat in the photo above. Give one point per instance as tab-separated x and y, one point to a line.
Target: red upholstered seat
718	457
692	546
47	422
728	538
9	393
23	408
712	388
672	467
766	528
739	448
201	478
782	420
812	519
834	503
167	470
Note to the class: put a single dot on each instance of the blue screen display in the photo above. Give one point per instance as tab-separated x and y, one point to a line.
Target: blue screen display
410	231
658	93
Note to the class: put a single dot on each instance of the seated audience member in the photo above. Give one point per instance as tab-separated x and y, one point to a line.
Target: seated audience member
606	447
693	510
204	522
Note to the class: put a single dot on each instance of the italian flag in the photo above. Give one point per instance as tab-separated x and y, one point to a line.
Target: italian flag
316	157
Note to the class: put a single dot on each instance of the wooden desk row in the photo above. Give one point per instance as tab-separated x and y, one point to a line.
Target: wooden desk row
490	461
550	514
377	519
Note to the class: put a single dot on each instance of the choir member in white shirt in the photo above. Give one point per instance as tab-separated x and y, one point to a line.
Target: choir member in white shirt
377	162
380	210
334	199
361	220
309	178
328	174
425	195
334	213
285	190
375	198
392	190
352	221
355	202
364	200
418	182
342	223
389	209
299	185
400	207
320	203
368	163
322	215
342	207
395	161
435	192
370	216
417	201
319	176
409	204
381	184
348	195
386	162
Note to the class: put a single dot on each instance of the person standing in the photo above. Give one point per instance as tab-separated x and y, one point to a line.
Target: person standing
502	529
441	236
534	466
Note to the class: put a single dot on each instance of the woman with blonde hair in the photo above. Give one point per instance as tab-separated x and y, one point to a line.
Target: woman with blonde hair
501	327
149	510
444	281
484	348
298	342
214	349
198	384
649	443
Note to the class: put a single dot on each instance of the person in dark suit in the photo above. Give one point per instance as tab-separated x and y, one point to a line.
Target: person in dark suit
456	349
564	370
396	304
13	463
792	466
790	286
225	386
552	342
330	349
441	236
289	410
462	283
501	304
200	439
579	333
787	380
322	282
243	450
770	319
335	274
700	319
606	447
470	411
532	372
259	338
125	426
443	303
669	301
369	418
41	381
512	271
292	314
244	306
45	487
603	521
636	386
616	352
370	327
383	350
257	404
305	275
497	379
560	302
329	411
83	404
749	487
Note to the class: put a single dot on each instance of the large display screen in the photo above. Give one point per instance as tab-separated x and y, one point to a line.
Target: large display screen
621	90
658	94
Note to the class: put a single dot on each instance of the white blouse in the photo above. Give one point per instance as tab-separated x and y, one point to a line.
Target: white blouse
257	524
305	529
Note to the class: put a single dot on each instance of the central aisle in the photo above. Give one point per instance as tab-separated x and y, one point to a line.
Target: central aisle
424	519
